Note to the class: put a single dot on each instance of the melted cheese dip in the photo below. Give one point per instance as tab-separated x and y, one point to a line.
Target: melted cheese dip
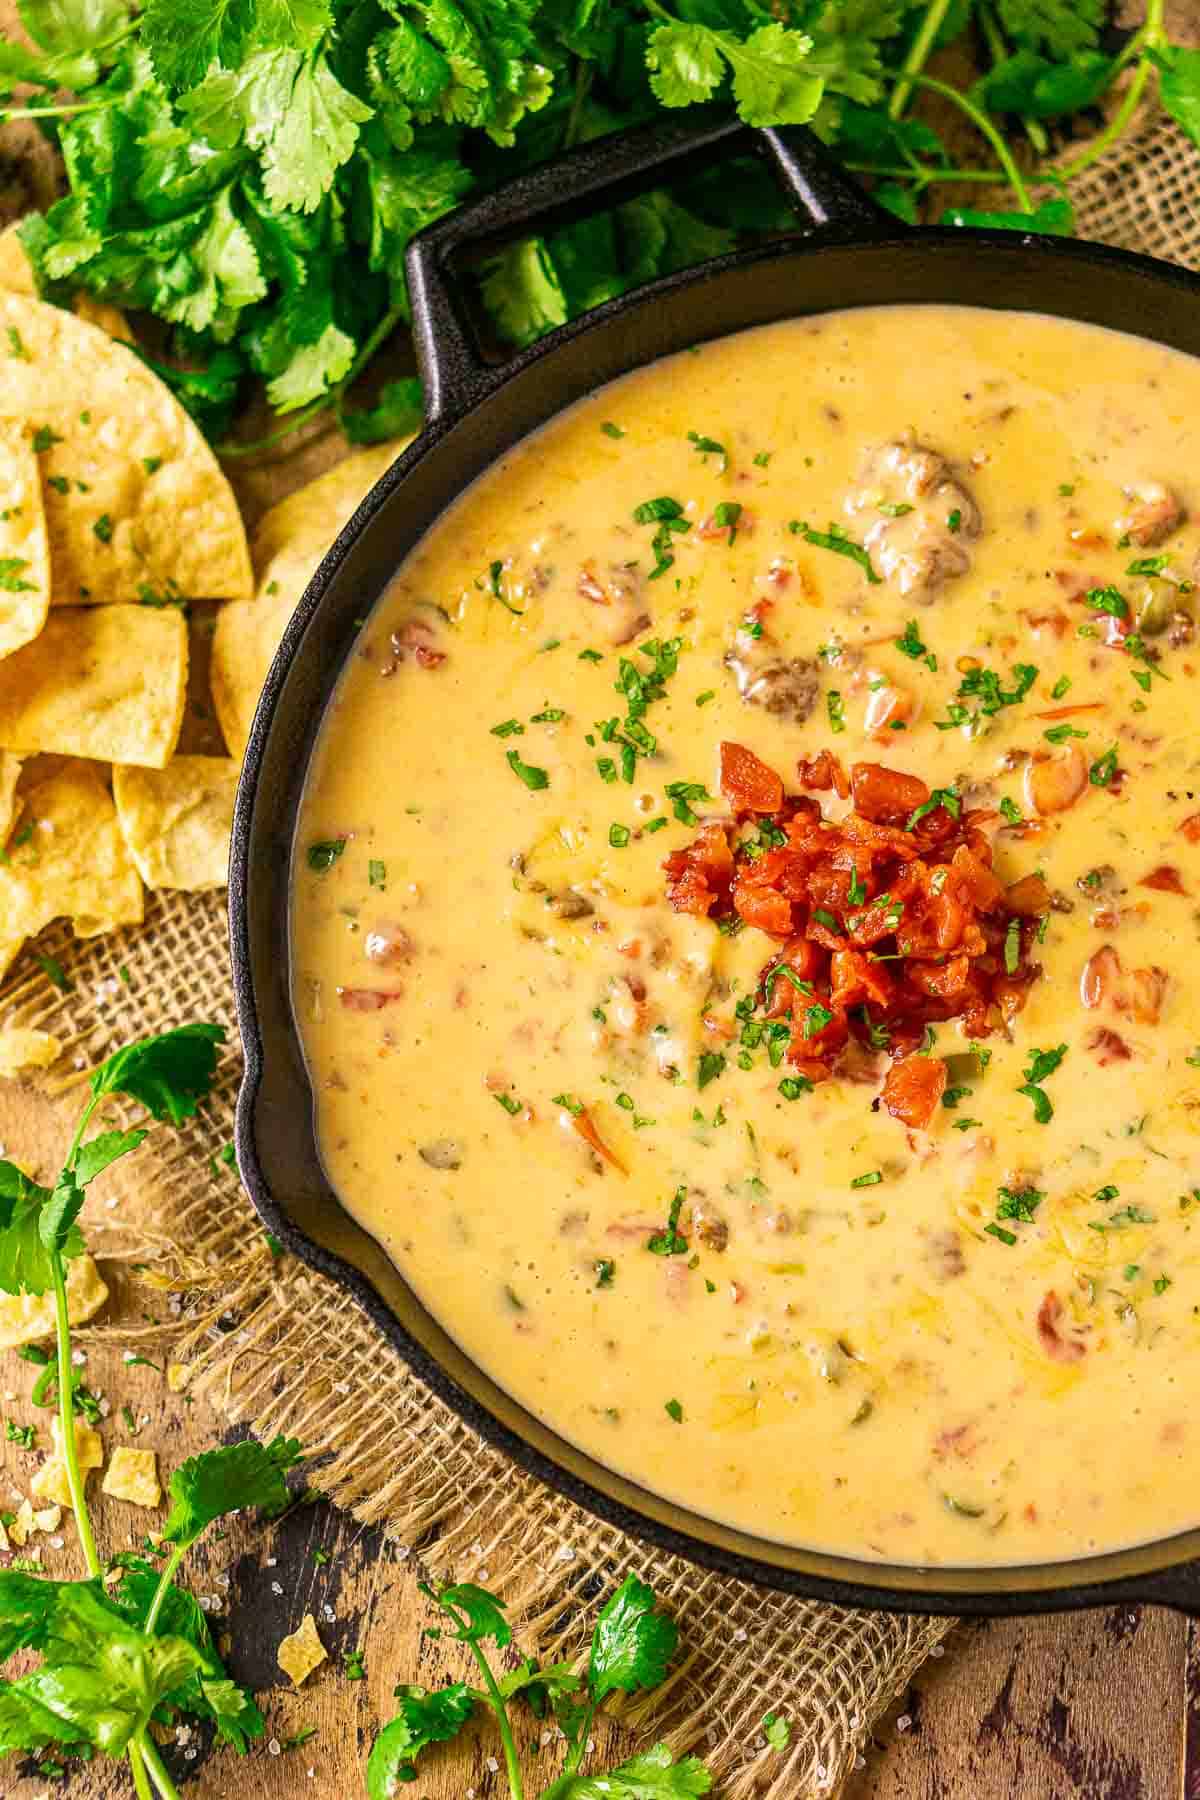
865	1346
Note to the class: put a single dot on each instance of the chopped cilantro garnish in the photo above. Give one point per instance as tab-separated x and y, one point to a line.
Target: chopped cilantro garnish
954	520
54	972
103	528
670	1242
377	873
322	855
704	698
836	708
836	539
1010	810
44	439
618	836
711	1064
871	1179
681	794
1058	734
675	1410
1149	565
1012	946
792	1086
611	430
604	1269
667	514
1019	1203
1041	1064
709	447
948	799
549	715
985	686
16	346
1061	686
893	509
511	1105
1162	1283
1108	600
816	1018
726	515
569	1101
592	656
1103	769
532	776
998	1231
967	1124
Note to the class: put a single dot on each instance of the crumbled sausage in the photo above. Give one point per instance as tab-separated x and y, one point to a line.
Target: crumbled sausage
709	1225
785	685
618	596
442	1153
1181	629
929	518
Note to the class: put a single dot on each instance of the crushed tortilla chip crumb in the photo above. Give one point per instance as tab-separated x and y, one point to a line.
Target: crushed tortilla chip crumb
302	1652
178	1376
22	1048
50	1482
27	1318
48	1519
132	1475
22	1525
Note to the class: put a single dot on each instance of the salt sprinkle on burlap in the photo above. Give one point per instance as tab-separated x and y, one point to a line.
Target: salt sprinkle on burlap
279	1348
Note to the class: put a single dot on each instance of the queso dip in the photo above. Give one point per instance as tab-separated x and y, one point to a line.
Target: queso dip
745	932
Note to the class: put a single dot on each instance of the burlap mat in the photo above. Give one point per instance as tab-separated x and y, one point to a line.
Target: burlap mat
284	1350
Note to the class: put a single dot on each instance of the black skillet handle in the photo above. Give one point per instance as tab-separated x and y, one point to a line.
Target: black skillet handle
1178	1588
593	177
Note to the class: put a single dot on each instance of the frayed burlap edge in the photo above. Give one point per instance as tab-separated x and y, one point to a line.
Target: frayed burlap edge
278	1348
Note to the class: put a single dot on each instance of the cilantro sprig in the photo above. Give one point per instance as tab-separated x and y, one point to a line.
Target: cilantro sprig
115	1656
632	1646
252	174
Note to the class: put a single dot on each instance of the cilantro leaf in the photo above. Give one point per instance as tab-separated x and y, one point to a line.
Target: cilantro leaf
771	81
1059	27
169	1074
100	1677
632	1644
522	291
777	1731
1179	86
312	370
398	412
654	1775
1037	88
313	138
24	1258
208	1486
423	1719
65	27
208	1693
478	1615
103	1149
1056	217
186	37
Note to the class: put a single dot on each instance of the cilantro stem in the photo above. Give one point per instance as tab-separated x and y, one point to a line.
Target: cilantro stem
8	113
138	1767
164	1582
985	127
924	176
498	1706
918	56
1151	37
66	1419
154	1763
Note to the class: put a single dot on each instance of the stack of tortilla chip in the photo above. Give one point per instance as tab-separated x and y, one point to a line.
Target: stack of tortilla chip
114	514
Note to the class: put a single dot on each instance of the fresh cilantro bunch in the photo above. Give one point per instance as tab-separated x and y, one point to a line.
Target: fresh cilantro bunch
632	1647
117	1654
251	172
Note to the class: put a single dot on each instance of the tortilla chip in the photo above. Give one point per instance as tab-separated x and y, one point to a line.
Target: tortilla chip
105	682
28	1318
290	541
73	863
16	274
10	769
135	499
177	821
24	552
50	1482
22	1048
132	1475
302	1652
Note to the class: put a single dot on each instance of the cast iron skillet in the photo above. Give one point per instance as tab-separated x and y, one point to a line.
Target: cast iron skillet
846	253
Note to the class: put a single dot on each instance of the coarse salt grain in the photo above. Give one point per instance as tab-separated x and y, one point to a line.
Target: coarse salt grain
938	1650
492	1766
482	1574
277	1587
271	1561
273	1747
740	1635
904	1722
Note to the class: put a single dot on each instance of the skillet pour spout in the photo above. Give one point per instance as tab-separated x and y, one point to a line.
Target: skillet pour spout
845	252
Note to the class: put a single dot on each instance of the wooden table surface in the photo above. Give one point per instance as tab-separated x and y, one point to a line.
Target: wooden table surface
1099	1706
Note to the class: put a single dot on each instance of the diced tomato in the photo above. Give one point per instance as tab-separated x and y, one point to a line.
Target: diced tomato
365	1000
1149	991
747	783
1190	828
585	1126
1100	983
1051	1336
1030	897
1166	878
885	796
1107	1046
913	1088
854	980
823	772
